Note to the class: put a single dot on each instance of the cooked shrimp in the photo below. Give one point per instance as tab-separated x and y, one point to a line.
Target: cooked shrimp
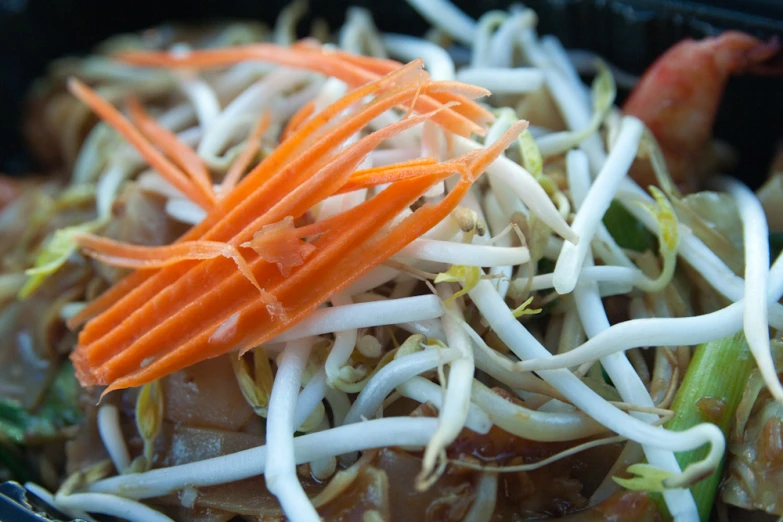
678	97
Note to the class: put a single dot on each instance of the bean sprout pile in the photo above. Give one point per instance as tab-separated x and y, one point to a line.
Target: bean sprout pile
524	310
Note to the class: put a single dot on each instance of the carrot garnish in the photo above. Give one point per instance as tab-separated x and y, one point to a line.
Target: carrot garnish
114	118
191	302
330	63
121	254
277	244
132	285
354	245
291	192
297	119
244	158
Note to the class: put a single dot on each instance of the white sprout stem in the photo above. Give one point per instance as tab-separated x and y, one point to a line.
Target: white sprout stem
236	78
359	31
203	98
310	397
495	221
456	400
344	343
448	18
392	375
286	107
517	80
112	505
111	435
185	211
593	274
244	109
501	53
47	497
90	157
525	186
378	433
590	308
525	346
584	62
280	469
436	59
596	203
339	404
285	25
384	157
425	391
108	186
697	254
537	425
682	331
756	317
430	328
553	48
463	253
363	315
376	277
484	501
569	96
487	24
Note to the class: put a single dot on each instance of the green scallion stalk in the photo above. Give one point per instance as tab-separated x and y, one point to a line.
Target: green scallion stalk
711	392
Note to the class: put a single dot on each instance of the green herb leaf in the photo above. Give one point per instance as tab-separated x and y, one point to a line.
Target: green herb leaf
58	410
626	229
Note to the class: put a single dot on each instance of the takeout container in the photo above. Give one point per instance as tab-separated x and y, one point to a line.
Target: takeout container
628	33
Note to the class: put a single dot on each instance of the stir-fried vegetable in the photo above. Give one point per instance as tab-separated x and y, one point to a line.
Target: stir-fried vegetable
311	281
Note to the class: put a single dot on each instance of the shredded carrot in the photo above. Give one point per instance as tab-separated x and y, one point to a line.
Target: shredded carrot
117	253
114	118
472	111
191	303
276	244
310	284
177	151
133	286
330	63
391	173
297	119
300	191
249	150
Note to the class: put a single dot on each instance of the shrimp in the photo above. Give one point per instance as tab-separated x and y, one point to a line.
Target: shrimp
678	96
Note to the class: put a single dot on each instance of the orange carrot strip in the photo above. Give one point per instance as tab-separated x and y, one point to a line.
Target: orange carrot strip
297	119
471	110
302	197
326	62
206	343
249	150
393	173
220	313
183	155
323	280
134	284
117	253
277	243
113	117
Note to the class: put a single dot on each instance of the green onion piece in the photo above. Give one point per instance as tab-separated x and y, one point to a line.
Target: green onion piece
711	392
626	229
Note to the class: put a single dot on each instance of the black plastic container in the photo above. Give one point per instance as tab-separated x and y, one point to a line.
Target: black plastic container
629	33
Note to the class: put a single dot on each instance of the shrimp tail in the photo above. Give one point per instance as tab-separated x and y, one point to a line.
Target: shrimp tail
678	96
